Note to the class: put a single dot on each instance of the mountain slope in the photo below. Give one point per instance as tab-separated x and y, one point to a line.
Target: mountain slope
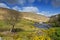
25	15
35	17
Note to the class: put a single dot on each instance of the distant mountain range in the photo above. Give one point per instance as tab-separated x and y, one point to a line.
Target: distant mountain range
25	15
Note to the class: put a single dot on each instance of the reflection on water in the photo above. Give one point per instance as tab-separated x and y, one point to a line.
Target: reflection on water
42	25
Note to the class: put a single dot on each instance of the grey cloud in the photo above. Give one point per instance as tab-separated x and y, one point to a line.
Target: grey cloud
20	2
55	3
31	1
12	2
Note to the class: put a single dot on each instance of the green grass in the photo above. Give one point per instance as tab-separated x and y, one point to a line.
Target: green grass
27	33
56	34
24	24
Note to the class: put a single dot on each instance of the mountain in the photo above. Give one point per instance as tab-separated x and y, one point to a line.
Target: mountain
25	15
35	17
55	18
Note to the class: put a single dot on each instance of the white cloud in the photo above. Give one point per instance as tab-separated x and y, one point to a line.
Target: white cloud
26	9
30	9
33	9
46	13
3	5
16	8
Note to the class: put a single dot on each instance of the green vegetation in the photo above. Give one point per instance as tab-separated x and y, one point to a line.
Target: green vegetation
56	34
55	20
29	31
25	30
24	24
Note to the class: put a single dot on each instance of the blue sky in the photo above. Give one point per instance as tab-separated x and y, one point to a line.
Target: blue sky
44	7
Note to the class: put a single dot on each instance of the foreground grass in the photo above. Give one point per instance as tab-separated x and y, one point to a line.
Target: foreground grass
56	34
29	32
25	25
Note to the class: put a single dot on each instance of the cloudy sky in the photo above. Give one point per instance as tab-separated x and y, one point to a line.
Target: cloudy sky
44	7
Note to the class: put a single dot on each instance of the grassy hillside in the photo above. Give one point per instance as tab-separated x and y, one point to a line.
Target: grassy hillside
35	17
23	24
25	27
28	32
25	15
